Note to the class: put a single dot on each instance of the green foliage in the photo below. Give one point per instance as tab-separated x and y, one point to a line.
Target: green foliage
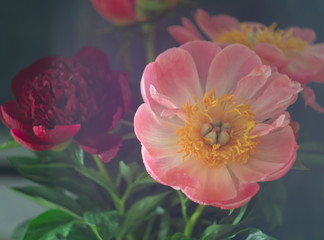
50	225
10	143
105	223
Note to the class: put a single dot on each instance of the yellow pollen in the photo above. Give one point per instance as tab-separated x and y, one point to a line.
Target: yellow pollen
225	115
250	35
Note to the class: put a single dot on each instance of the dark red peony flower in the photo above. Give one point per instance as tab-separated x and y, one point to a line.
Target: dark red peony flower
59	98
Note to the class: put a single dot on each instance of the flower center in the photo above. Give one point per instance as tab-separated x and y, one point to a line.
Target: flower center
250	35
218	130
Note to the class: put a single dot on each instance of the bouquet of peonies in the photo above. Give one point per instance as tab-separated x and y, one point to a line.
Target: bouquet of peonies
188	161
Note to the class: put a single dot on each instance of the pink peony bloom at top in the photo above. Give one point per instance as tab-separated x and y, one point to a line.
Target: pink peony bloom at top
122	12
290	51
213	122
60	98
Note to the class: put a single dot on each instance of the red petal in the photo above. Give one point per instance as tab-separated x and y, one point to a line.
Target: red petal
29	140
57	135
12	117
104	145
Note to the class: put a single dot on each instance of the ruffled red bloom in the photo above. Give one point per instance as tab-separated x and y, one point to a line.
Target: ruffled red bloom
61	98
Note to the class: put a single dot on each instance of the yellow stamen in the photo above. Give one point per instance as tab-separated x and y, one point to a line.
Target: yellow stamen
250	35
234	140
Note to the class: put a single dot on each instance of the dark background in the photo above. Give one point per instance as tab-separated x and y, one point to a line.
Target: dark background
30	30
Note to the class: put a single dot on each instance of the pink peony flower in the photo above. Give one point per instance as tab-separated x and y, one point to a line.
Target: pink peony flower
59	98
213	122
123	12
290	51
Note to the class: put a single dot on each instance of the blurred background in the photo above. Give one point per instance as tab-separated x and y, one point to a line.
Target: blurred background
30	30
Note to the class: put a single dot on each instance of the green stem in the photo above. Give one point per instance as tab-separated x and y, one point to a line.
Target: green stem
150	43
102	169
183	207
94	230
193	219
148	230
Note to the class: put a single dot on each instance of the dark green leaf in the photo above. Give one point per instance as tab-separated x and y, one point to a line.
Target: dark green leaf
11	143
96	177
76	153
219	231
49	225
164	227
106	223
299	165
125	171
81	232
178	236
252	234
50	198
20	231
140	211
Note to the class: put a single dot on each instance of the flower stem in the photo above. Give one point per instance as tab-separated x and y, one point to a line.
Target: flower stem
183	207
94	230
150	42
102	169
193	219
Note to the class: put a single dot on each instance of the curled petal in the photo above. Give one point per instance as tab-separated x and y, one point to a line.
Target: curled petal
186	33
310	99
29	140
56	135
212	26
263	129
156	134
12	116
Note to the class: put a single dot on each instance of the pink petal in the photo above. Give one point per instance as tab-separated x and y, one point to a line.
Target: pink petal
229	66
202	53
212	26
271	55
263	129
249	85
199	182
105	145
12	116
310	99
306	65
186	33
173	74
57	135
275	97
305	34
246	192
156	134
29	140
276	154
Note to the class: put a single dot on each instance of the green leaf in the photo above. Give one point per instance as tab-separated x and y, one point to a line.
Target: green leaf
11	143
299	165
81	232
20	231
50	225
125	171
164	228
252	234
50	198
219	231
140	211
96	177
76	153
106	223
178	236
